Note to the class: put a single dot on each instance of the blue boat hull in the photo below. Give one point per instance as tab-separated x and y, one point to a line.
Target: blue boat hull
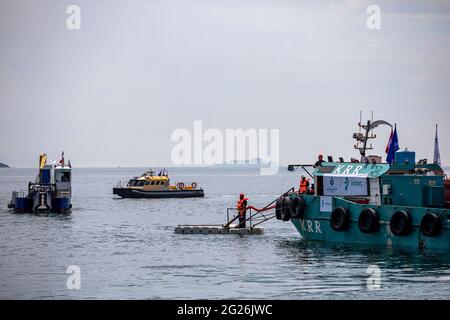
22	205
26	205
61	205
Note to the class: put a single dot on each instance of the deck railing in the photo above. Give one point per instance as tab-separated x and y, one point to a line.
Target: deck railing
253	219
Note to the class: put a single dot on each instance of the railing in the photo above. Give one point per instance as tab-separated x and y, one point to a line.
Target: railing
252	216
237	216
18	194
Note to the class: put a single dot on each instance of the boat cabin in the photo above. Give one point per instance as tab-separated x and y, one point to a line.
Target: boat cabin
404	183
149	182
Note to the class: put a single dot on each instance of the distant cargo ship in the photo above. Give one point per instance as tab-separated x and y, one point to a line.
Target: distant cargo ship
254	162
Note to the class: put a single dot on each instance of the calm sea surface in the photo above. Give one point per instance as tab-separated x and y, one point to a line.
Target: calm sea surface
127	248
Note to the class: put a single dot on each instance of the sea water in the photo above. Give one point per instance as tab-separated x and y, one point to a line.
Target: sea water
127	248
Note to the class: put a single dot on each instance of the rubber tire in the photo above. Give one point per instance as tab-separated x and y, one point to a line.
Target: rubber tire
340	219
279	207
286	213
401	223
368	221
298	207
430	225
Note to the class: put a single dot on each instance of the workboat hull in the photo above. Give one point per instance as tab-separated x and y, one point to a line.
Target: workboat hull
46	204
154	194
315	225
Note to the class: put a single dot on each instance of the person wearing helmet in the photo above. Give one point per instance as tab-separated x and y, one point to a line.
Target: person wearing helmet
241	207
304	184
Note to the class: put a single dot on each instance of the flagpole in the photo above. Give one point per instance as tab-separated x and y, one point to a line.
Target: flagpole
437	154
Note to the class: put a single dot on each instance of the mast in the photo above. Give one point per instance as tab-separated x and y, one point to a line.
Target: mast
363	138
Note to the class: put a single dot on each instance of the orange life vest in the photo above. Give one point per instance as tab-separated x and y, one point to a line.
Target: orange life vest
240	204
304	185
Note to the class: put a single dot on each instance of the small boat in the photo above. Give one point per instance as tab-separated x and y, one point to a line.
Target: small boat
51	191
150	185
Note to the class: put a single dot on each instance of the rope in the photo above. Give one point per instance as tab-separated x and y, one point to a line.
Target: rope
260	210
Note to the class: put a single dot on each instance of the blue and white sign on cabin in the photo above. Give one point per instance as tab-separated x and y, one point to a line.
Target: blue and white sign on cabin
350	186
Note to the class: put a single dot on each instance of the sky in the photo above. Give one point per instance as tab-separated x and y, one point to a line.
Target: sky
112	92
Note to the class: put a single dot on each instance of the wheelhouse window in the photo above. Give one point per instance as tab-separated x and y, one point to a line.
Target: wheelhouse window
65	177
136	183
62	176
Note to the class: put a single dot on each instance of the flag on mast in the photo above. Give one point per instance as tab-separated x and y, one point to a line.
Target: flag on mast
393	148
437	154
389	141
42	160
62	158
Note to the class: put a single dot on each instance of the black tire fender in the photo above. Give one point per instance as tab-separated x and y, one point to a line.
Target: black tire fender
340	219
401	223
430	225
298	207
279	207
368	221
286	213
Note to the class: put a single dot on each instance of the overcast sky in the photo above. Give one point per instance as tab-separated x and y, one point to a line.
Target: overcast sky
113	92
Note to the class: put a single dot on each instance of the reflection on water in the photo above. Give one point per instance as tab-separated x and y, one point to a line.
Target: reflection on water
127	248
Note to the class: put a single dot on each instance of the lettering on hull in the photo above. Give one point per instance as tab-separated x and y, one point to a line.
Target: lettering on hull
310	226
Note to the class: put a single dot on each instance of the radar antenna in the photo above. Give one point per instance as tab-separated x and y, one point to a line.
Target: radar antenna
366	133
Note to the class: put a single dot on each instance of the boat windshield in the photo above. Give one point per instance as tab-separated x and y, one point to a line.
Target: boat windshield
136	183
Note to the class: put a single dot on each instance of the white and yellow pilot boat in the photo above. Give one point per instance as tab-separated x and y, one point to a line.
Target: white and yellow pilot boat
150	185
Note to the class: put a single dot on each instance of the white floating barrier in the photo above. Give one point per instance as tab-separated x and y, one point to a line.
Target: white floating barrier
217	229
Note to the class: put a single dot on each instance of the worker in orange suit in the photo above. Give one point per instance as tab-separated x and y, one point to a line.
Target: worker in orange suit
241	207
304	184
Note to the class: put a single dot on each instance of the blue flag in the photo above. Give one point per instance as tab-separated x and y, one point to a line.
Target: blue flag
393	148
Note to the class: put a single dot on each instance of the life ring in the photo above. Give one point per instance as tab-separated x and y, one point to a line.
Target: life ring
279	207
180	185
297	208
400	223
340	219
430	225
194	185
368	221
286	213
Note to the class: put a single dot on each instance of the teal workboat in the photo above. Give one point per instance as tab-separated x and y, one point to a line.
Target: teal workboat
404	203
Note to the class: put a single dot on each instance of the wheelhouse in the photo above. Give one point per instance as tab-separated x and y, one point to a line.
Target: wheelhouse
403	183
